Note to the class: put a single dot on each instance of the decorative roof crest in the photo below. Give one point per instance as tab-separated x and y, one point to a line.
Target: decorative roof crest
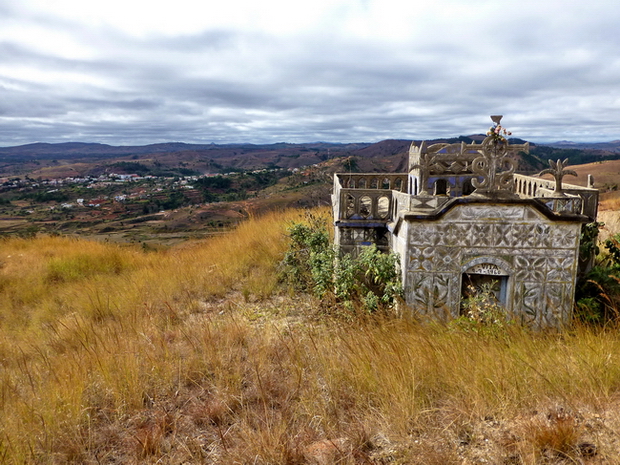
492	161
496	164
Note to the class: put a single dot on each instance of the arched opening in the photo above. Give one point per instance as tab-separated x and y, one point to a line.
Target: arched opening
383	207
385	184
361	184
350	205
365	206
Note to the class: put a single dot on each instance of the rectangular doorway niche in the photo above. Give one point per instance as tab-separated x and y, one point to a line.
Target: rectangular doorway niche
485	277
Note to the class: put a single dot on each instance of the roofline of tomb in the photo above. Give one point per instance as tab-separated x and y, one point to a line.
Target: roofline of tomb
437	213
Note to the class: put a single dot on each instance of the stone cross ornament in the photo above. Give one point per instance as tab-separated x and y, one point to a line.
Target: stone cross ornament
496	164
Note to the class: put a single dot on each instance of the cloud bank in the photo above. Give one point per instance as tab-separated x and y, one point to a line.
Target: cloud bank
136	72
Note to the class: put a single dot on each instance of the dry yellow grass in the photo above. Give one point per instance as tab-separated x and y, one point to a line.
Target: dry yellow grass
194	355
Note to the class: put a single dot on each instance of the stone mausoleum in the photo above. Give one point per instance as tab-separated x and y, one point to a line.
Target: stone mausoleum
461	217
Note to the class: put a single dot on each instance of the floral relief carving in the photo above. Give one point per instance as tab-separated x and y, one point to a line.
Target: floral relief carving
560	269
565	238
421	258
530	268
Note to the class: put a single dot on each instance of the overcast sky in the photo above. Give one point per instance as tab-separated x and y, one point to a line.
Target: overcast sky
137	72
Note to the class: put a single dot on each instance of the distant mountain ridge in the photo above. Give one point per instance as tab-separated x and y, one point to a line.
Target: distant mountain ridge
69	149
82	158
611	146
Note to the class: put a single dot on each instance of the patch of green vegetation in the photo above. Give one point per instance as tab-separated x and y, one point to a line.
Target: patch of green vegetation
132	167
50	196
170	201
369	282
598	291
236	187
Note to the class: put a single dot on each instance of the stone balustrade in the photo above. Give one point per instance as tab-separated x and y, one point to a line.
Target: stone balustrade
377	198
534	187
397	182
365	204
366	196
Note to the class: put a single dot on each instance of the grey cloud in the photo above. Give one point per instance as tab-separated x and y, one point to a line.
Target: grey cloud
545	77
191	43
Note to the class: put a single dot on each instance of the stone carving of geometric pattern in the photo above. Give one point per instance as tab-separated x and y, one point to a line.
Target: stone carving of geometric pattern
558	303
442	235
492	213
542	232
360	235
526	237
527	301
560	269
564	237
346	235
457	167
429	258
505	235
479	235
491	234
520	235
530	268
350	236
564	205
460	233
421	234
423	202
447	259
421	258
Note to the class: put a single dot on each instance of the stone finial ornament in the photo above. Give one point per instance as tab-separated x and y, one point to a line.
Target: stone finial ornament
496	164
558	170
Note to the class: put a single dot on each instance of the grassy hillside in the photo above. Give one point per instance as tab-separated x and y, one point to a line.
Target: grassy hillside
197	354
